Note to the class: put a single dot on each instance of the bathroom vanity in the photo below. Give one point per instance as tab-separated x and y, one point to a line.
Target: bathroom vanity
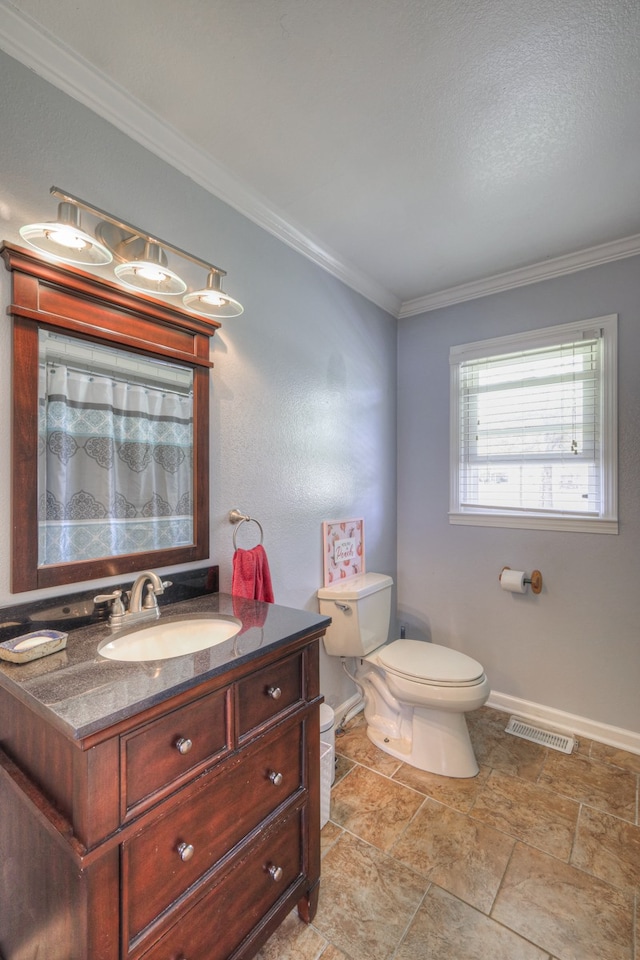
166	810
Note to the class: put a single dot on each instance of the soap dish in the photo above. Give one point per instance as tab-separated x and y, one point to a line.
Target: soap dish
31	646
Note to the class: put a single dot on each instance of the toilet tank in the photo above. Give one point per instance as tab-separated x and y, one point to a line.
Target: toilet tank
360	611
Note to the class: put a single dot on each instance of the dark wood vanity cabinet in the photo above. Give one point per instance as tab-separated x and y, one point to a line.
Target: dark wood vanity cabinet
186	832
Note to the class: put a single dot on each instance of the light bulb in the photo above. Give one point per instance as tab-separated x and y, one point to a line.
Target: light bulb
149	271
214	299
67	237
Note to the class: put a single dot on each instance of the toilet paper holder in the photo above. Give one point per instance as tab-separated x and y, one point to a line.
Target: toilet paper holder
535	580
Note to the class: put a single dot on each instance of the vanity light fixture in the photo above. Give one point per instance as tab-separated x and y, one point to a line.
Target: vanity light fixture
143	264
150	273
64	239
142	261
212	301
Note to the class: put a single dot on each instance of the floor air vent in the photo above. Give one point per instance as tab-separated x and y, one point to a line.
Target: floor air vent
557	741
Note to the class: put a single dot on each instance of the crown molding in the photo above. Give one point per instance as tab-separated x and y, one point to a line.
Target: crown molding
557	267
23	39
37	49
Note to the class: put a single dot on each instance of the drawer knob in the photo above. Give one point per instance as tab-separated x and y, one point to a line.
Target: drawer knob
274	692
276	778
185	851
275	873
183	745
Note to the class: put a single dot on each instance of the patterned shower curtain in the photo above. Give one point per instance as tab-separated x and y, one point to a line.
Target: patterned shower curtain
115	466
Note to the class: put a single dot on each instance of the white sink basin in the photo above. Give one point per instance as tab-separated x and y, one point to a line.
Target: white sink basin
162	640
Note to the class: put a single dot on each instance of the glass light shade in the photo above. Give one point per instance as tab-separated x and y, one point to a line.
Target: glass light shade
212	301
150	274
64	240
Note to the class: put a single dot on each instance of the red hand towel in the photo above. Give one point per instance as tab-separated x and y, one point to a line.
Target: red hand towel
251	575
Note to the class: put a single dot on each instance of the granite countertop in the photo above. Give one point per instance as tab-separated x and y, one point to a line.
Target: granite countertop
81	692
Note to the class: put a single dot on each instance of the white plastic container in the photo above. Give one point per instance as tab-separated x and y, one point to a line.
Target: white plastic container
328	733
327	760
326	770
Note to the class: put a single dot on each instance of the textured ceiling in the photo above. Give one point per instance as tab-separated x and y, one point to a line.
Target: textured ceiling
410	145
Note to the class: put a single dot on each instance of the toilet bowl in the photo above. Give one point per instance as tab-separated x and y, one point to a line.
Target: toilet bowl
415	693
423	722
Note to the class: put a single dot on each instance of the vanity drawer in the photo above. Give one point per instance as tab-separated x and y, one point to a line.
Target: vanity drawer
221	920
174	852
166	749
268	693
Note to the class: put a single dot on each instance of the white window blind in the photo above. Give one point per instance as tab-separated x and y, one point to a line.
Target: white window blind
533	428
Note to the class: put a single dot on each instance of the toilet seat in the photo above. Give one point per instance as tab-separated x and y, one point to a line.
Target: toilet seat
430	663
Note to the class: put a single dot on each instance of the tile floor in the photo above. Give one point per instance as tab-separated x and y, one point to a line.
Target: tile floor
536	858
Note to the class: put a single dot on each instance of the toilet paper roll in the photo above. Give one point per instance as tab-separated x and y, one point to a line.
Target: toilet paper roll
513	581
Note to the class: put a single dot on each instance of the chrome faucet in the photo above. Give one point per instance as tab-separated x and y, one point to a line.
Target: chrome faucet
140	607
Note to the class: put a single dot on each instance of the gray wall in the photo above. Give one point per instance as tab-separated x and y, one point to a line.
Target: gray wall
576	647
304	423
304	385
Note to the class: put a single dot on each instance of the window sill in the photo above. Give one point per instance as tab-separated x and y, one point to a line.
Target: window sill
561	524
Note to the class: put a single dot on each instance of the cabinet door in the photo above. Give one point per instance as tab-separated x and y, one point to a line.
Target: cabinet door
169	748
229	911
173	853
269	694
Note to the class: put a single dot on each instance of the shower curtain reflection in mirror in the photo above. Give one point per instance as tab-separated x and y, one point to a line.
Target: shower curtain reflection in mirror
115	452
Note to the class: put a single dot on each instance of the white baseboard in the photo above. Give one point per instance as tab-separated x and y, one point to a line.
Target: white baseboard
548	717
566	722
353	705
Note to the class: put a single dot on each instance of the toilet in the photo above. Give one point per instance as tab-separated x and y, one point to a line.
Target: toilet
415	693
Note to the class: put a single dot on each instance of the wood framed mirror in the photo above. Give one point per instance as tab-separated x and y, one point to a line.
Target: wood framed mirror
86	351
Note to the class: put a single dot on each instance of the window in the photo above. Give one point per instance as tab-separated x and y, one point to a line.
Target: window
533	429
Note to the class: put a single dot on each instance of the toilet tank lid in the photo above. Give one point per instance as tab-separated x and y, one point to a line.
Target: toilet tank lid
354	588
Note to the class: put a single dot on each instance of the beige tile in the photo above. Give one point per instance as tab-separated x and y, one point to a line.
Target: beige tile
332	953
608	848
328	836
583	746
590	781
616	757
454	792
445	928
495	748
355	744
343	765
366	900
293	940
373	807
563	910
534	814
458	849
489	716
461	855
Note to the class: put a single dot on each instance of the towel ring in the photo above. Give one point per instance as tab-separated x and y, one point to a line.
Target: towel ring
239	518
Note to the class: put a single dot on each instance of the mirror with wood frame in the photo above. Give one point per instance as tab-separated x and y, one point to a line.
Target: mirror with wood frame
110	443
